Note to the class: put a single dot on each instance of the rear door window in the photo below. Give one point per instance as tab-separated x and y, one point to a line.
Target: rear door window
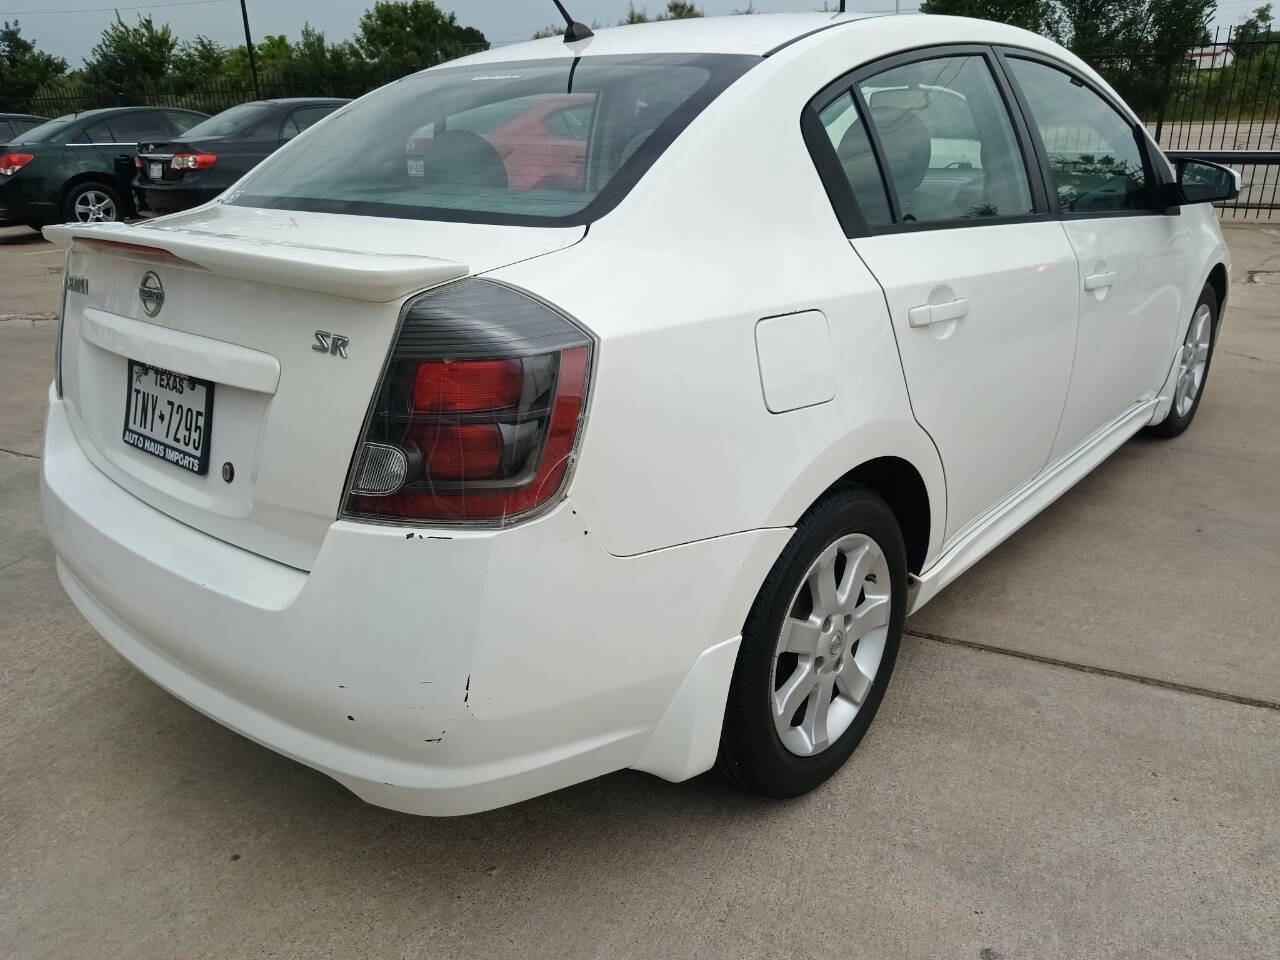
6	131
552	142
134	127
97	132
181	121
848	135
947	141
302	118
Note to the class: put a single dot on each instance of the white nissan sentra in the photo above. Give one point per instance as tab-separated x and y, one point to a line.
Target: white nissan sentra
581	406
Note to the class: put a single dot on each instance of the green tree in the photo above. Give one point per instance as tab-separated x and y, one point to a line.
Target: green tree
398	37
24	69
333	67
274	56
1035	15
680	10
1095	29
196	63
1175	23
634	15
552	31
127	58
1257	27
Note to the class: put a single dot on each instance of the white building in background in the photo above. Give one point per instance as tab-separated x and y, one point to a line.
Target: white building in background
1212	57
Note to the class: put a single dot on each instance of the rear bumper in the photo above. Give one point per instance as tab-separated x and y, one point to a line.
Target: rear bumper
434	672
161	198
16	203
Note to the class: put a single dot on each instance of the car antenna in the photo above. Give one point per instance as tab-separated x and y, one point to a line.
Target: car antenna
573	30
841	6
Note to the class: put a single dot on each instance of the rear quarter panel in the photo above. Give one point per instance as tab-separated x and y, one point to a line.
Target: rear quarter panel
730	226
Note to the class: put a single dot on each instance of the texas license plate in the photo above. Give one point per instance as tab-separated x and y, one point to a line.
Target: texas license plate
169	415
157	171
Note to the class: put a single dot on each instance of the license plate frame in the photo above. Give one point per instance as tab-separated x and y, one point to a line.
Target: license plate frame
193	458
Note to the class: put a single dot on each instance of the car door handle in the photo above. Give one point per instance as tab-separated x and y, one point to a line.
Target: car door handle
929	313
1096	281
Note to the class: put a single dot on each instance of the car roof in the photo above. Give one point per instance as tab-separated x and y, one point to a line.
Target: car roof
305	100
20	116
113	111
755	34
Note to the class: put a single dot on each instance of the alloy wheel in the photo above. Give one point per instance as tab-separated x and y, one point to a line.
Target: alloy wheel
831	643
1193	361
94	206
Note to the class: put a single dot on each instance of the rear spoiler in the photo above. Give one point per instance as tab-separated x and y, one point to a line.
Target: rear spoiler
376	278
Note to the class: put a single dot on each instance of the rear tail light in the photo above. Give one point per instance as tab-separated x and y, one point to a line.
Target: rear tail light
11	163
193	161
477	416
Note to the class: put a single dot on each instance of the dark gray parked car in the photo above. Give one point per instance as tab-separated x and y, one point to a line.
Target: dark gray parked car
178	174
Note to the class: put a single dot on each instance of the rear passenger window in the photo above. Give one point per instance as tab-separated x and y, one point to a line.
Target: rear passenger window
302	118
133	127
6	131
948	142
182	121
853	149
96	133
1092	151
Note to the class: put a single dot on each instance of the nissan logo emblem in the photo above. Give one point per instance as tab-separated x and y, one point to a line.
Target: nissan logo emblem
151	292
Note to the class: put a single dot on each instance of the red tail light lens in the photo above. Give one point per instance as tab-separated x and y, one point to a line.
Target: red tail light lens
456	386
478	413
468	451
11	163
193	161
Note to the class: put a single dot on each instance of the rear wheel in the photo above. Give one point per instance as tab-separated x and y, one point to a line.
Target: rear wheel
818	647
1193	367
92	202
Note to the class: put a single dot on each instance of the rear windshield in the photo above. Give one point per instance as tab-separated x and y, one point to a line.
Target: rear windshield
230	121
543	142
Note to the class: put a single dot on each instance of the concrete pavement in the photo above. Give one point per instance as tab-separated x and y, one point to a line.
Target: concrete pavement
1001	807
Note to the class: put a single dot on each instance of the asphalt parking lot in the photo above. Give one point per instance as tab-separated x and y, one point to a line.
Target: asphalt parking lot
1079	755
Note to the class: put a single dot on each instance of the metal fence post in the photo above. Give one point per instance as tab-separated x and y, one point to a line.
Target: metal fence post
1164	90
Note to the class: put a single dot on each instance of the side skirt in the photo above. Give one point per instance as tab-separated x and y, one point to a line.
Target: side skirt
1006	517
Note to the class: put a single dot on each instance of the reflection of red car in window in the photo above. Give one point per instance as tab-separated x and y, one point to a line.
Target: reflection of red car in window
542	139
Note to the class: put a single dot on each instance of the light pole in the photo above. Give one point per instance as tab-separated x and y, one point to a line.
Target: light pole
248	45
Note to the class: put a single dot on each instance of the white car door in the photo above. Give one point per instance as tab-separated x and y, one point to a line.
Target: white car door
979	279
1133	257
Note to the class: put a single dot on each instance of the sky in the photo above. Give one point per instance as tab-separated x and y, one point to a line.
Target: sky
70	28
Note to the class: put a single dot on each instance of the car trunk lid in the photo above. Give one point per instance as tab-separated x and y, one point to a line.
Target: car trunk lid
244	297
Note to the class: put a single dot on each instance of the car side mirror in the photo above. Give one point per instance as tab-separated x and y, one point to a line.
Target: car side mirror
1199	181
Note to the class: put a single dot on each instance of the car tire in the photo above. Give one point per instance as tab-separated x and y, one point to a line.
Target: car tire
1193	367
92	202
771	742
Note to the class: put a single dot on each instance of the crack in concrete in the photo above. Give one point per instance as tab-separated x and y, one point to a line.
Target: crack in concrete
1100	671
27	317
1250	356
25	456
